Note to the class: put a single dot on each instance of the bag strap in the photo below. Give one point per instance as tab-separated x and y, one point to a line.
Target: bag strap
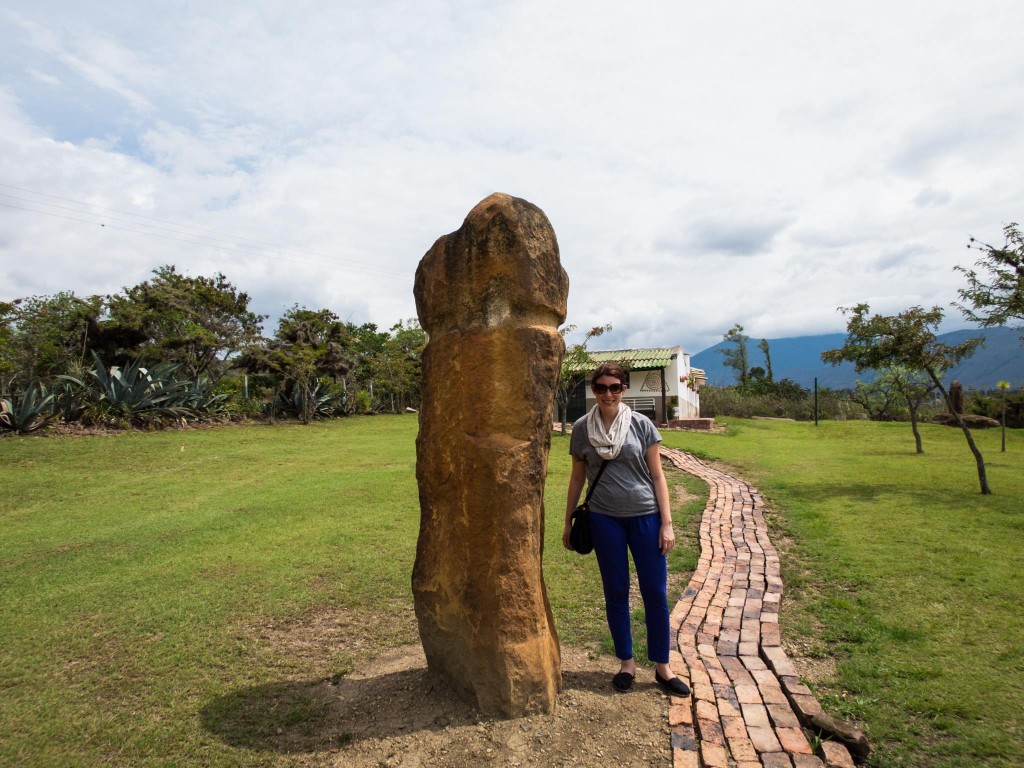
593	485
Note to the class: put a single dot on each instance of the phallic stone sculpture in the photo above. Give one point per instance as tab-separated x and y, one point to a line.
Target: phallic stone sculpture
490	297
956	396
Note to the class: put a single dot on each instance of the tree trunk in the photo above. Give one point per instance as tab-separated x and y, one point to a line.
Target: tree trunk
913	426
985	490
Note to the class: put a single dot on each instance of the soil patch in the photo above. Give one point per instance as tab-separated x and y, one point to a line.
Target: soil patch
387	709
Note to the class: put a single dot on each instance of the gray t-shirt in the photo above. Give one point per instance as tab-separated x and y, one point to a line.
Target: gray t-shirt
626	488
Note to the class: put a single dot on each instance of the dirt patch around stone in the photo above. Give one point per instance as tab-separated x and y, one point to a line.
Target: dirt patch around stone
365	709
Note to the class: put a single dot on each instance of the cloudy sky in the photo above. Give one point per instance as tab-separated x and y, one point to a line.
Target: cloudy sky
702	164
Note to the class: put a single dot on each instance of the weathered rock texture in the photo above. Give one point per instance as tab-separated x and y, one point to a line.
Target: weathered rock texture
490	297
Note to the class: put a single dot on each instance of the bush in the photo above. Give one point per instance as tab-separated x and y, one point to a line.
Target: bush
787	400
991	404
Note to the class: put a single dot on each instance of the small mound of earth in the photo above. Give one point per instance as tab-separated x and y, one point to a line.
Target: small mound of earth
393	712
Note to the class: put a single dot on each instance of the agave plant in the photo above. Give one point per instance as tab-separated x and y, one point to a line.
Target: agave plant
307	403
138	393
28	411
69	398
200	397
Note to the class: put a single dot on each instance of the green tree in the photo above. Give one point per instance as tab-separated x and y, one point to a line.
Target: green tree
876	342
395	367
46	336
737	357
995	295
8	364
576	365
1003	386
307	345
763	346
915	389
200	323
877	397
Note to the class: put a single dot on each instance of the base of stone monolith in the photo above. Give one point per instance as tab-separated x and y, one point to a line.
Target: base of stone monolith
491	297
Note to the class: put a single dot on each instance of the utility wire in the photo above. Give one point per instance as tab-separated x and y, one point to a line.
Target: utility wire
257	248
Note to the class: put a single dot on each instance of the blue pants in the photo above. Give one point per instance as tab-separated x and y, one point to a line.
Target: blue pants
612	536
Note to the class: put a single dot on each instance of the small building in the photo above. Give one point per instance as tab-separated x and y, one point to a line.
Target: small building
662	385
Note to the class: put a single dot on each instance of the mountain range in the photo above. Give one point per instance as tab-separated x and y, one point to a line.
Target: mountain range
799	358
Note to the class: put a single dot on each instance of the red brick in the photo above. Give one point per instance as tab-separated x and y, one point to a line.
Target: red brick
807	761
756	715
772	694
706	710
782	716
748	694
699	676
714	755
719	676
710	731
764	739
779	661
793	685
742	749
806	707
703	691
770	634
753	662
776	760
734	727
680	715
836	755
727	708
685	759
793	740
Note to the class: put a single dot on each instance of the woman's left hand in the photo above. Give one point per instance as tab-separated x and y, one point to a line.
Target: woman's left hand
667	538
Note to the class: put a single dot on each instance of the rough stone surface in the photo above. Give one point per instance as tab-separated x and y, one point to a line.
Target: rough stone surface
490	297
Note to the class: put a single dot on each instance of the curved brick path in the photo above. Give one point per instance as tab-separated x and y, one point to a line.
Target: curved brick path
748	704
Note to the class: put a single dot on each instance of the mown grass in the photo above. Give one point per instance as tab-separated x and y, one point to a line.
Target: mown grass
145	580
901	570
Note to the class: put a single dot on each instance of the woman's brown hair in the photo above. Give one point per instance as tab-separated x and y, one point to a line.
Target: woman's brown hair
610	369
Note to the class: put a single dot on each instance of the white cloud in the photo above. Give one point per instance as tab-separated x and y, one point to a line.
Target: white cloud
841	156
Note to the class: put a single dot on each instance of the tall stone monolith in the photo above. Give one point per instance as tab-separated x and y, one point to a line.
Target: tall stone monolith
491	297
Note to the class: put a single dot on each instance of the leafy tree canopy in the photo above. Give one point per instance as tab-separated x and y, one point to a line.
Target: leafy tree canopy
995	290
576	366
44	336
876	342
737	357
907	340
197	322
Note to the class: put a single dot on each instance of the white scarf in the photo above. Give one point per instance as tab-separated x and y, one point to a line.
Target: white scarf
608	442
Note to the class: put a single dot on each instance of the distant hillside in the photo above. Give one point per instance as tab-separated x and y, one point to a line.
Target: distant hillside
799	358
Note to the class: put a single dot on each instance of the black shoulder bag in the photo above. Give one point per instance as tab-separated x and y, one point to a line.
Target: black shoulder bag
579	531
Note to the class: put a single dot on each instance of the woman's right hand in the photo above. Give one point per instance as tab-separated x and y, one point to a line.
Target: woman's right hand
565	536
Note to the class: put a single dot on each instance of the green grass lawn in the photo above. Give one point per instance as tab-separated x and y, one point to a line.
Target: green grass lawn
904	573
147	579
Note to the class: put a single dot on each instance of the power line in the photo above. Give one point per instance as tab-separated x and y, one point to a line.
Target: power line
258	247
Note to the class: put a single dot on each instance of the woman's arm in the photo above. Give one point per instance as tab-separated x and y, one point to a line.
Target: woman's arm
667	536
576	481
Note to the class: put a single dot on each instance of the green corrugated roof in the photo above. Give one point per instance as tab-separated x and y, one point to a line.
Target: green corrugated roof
636	359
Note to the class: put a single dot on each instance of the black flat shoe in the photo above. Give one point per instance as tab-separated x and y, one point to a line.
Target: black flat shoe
674	686
623	681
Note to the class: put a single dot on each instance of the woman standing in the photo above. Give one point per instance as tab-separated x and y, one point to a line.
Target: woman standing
629	512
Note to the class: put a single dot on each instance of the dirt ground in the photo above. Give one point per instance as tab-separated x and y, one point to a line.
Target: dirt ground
414	720
345	702
390	711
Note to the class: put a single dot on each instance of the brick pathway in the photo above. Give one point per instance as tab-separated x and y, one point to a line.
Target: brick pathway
748	708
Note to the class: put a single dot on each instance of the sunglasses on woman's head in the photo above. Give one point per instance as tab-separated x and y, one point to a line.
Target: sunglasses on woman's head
600	389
